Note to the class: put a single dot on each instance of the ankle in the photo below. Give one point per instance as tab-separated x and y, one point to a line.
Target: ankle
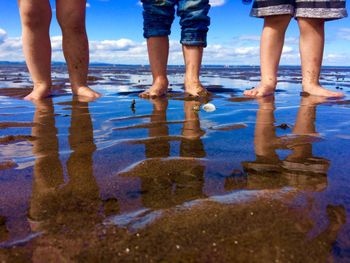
160	79
310	84
269	82
42	85
192	80
76	86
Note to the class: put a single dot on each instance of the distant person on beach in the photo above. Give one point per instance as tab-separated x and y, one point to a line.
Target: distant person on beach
311	16
36	17
194	20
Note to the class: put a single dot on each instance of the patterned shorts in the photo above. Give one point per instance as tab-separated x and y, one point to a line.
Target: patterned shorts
326	9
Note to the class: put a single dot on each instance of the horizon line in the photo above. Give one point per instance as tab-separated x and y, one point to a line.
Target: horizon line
171	65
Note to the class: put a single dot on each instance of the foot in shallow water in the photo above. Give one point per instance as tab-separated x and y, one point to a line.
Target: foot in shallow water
318	90
262	90
39	92
159	89
85	91
195	89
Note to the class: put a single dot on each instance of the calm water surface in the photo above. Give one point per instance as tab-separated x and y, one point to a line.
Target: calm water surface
156	180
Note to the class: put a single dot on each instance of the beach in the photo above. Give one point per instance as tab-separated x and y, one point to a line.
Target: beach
124	179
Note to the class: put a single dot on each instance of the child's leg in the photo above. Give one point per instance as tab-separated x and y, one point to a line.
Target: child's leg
193	61
194	24
158	51
311	52
271	45
71	17
36	18
158	17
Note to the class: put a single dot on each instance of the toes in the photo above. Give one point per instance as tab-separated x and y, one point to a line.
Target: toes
338	94
250	92
144	94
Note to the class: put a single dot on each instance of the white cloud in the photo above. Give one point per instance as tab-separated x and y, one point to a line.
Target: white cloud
88	5
3	35
214	3
127	51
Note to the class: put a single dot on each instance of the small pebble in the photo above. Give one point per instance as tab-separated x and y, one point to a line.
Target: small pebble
283	126
177	247
127	250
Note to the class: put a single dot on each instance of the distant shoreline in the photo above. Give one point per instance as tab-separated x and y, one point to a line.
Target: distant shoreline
97	64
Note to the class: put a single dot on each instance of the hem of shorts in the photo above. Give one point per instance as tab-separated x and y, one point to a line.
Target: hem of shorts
193	43
336	15
258	12
148	35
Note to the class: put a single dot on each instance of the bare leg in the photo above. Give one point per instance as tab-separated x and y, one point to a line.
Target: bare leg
71	17
193	60
271	45
311	52
36	18
158	52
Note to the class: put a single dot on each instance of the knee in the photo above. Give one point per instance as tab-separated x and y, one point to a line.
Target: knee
72	22
317	23
35	18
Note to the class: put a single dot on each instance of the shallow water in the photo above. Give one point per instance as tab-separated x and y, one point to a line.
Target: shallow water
254	181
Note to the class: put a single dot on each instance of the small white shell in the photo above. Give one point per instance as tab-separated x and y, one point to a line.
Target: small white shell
209	107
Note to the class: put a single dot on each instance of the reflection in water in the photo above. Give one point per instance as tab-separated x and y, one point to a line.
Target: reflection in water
300	169
165	181
54	205
176	221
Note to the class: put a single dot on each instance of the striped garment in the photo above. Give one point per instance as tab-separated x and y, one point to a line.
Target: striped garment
326	9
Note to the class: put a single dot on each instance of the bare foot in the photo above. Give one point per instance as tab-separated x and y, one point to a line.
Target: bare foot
196	89
317	90
39	92
262	90
159	89
86	92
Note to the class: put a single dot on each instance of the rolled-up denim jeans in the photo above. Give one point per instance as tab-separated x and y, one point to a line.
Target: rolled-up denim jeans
158	15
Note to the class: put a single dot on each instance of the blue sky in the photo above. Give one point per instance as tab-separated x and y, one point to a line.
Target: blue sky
115	34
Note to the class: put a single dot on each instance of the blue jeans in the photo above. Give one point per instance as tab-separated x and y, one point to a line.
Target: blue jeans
158	15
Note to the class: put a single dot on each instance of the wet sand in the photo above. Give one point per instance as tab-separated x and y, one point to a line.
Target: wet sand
124	179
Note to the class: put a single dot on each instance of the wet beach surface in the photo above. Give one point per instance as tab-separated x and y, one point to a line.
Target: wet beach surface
124	179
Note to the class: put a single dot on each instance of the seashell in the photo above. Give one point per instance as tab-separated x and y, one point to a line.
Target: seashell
209	107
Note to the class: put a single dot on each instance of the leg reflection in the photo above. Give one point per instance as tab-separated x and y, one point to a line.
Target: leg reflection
267	164
48	172
54	204
308	169
158	129
165	181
